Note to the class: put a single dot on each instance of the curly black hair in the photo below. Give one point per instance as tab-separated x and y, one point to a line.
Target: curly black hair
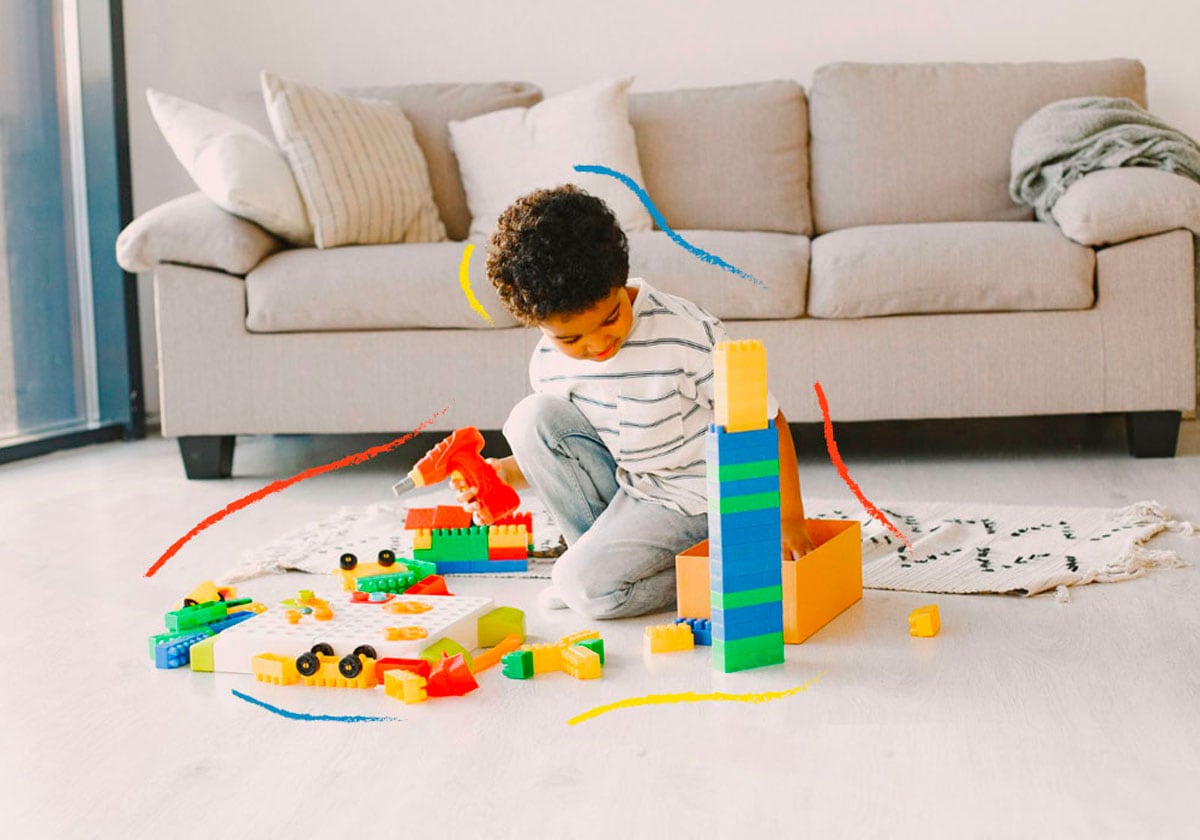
556	252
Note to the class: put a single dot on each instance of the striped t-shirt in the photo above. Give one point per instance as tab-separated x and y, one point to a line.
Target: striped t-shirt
653	401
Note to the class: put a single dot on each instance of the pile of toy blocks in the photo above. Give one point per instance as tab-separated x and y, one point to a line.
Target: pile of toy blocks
444	535
191	629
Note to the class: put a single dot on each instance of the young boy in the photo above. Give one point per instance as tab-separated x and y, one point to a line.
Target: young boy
613	437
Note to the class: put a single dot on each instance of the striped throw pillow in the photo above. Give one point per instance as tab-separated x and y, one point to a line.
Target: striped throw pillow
361	174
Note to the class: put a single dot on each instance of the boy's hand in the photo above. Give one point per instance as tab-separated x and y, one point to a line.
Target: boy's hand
796	541
465	494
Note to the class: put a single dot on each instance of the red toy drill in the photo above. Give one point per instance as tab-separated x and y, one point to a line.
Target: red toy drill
460	453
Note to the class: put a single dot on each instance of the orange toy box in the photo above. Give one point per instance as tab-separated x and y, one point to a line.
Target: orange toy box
816	588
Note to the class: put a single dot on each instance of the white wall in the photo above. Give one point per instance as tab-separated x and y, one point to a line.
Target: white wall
203	49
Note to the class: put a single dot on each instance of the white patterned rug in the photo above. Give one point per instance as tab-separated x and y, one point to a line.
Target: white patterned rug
960	547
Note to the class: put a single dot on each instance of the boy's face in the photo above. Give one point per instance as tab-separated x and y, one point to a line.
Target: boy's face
595	334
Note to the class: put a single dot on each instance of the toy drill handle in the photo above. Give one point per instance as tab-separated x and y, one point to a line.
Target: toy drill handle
496	499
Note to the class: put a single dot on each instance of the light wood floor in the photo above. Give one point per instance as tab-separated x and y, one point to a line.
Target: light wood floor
1024	718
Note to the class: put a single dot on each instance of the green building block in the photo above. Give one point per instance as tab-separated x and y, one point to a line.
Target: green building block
421	568
455	544
202	655
743	654
596	645
197	615
754	469
517	665
449	647
747	597
499	624
395	582
741	504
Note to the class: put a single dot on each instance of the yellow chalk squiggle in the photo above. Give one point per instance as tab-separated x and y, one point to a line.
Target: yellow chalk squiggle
693	697
464	280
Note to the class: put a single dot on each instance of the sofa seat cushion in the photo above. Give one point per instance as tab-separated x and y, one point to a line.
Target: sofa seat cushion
371	287
779	260
948	267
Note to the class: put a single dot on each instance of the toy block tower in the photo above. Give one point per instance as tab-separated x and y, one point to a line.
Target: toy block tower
743	513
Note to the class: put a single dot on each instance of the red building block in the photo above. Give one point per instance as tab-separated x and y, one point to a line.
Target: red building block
431	585
451	677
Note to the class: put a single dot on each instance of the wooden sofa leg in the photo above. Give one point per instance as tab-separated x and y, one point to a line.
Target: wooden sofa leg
1152	434
207	456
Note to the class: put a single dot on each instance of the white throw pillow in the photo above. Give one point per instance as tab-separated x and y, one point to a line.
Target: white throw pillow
506	154
361	173
235	166
1115	205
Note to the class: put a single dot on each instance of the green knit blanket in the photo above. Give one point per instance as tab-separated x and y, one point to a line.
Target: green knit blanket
1067	139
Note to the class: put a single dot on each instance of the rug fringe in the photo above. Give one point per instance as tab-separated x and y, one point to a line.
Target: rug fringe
1150	512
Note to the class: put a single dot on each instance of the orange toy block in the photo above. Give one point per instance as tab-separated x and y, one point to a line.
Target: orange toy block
692	588
492	656
405	686
668	638
276	669
740	385
925	621
816	588
822	584
582	663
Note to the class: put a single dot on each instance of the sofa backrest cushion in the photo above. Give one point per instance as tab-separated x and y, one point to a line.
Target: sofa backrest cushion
429	107
898	143
726	158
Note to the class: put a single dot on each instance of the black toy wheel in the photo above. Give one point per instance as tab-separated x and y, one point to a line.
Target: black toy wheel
322	647
308	664
347	561
350	667
367	651
386	557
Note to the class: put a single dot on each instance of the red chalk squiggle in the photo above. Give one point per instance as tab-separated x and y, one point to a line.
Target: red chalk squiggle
836	457
276	486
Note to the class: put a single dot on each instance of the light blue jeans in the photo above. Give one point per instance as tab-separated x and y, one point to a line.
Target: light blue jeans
620	557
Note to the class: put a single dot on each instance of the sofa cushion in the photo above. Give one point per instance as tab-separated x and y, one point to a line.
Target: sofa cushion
237	167
370	287
1116	205
948	267
726	158
358	166
779	260
429	107
191	230
894	143
507	154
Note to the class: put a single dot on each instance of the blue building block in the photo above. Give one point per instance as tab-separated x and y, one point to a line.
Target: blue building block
486	566
723	447
746	526
744	486
701	629
747	622
231	620
455	567
728	582
176	653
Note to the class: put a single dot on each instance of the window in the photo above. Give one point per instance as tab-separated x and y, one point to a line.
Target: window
69	371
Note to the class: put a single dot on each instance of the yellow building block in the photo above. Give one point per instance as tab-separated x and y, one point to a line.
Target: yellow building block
581	663
549	656
740	385
925	621
668	638
508	536
276	669
816	588
201	655
405	685
422	539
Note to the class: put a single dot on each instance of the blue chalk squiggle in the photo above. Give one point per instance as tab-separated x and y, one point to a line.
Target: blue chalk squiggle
302	716
700	253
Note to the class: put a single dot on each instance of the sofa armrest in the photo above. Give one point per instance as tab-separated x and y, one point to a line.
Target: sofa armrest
1115	205
191	230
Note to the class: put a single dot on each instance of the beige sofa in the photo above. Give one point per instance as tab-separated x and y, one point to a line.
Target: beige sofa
896	269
